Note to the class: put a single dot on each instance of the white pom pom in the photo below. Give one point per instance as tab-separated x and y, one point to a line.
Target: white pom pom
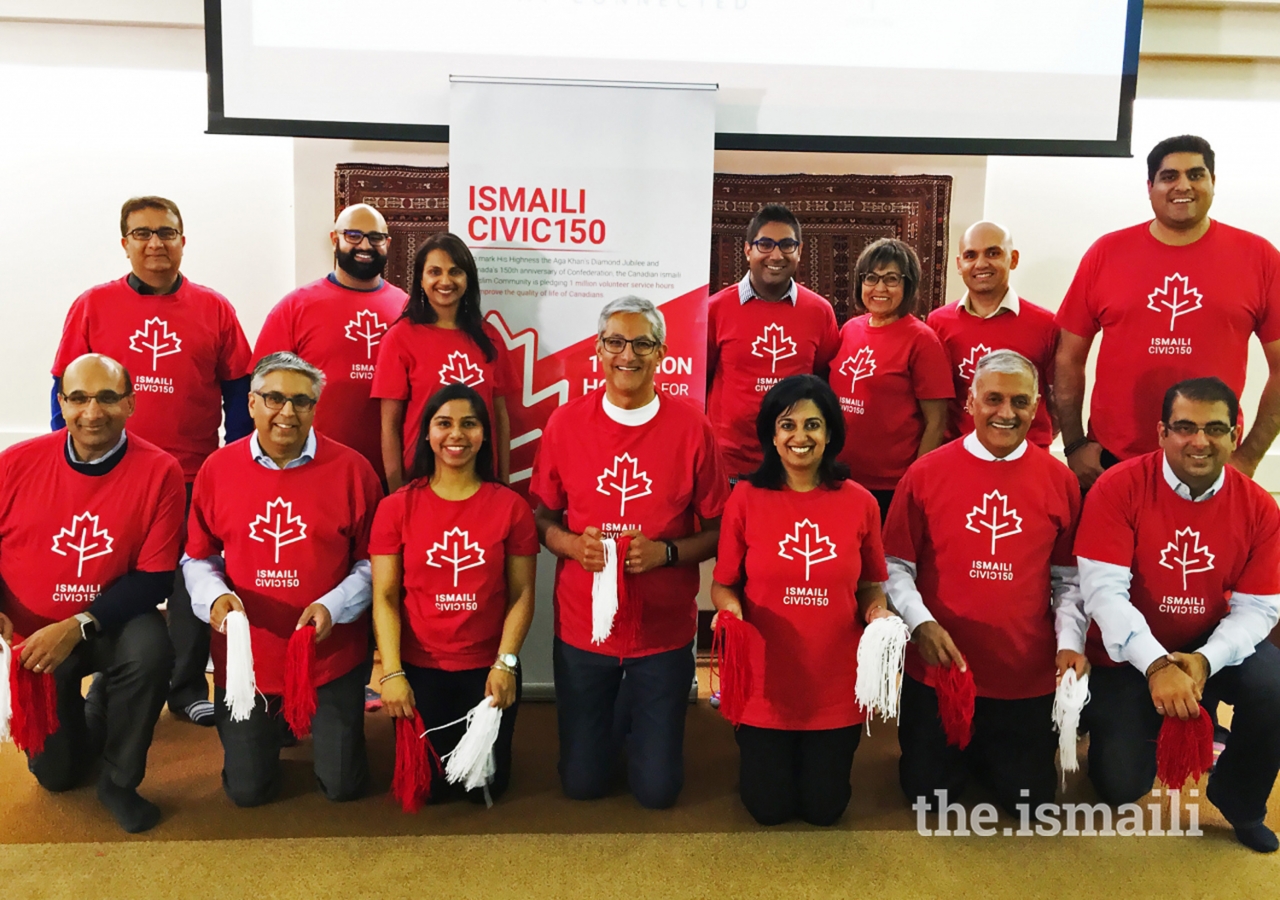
604	594
6	702
242	686
1068	701
471	762
882	653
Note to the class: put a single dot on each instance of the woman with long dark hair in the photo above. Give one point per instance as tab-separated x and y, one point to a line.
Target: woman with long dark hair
800	558
440	338
453	555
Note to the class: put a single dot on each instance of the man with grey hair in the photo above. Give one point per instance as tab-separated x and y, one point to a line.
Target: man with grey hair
279	531
624	470
979	547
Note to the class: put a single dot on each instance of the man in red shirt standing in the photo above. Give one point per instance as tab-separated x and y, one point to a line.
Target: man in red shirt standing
978	544
189	354
761	330
337	324
623	461
991	316
1165	539
1174	298
90	526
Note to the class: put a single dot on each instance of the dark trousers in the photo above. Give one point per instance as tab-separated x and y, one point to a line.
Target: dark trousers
1011	753
442	697
783	775
135	661
883	499
587	687
1123	725
251	749
190	639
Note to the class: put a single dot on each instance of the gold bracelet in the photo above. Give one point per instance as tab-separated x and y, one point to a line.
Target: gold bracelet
503	667
1162	663
398	673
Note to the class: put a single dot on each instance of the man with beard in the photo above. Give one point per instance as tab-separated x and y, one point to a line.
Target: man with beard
337	323
188	354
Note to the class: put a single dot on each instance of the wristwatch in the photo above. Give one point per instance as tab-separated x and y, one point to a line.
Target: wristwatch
88	626
673	554
510	660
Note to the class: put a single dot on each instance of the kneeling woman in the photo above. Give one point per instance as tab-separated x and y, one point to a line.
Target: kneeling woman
800	559
460	548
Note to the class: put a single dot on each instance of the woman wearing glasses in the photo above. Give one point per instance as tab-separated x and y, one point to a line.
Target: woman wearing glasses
891	373
440	338
459	548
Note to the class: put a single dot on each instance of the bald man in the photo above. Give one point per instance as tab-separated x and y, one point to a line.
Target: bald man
337	323
991	316
90	525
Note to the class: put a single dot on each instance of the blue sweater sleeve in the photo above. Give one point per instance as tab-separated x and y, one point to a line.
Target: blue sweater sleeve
235	408
55	416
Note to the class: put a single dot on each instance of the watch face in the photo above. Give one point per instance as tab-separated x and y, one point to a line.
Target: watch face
509	659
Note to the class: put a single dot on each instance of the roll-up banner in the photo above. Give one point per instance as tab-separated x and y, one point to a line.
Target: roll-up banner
572	194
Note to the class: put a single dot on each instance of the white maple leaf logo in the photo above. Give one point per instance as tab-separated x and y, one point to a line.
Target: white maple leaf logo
280	524
368	327
459	369
154	335
457	549
85	538
807	542
1176	297
626	480
965	369
1185	553
775	344
995	516
859	366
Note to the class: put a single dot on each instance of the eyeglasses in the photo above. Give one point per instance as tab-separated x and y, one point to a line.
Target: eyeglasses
642	346
766	245
891	280
165	234
1183	428
275	401
80	399
355	236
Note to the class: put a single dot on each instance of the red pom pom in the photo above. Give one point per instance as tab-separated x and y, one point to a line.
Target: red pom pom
299	686
956	696
731	665
627	621
415	761
34	698
1184	750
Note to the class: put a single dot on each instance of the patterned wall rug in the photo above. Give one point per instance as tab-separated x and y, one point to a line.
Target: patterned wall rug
840	215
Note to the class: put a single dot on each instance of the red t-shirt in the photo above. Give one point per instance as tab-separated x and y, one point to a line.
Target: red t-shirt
65	537
879	374
983	535
418	360
750	348
1185	557
799	558
967	338
1166	314
455	574
652	478
179	348
339	330
288	538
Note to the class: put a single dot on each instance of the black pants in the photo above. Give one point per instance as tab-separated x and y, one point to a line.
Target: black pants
135	661
190	639
1011	753
783	775
1123	725
251	749
444	696
587	687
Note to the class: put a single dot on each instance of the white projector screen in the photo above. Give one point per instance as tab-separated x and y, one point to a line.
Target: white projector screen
931	76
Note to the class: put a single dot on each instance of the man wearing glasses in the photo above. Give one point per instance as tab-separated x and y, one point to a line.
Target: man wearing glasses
189	355
90	526
624	461
337	324
761	330
1174	298
279	530
1180	568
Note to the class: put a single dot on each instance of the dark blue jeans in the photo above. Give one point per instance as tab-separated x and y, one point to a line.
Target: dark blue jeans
657	696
